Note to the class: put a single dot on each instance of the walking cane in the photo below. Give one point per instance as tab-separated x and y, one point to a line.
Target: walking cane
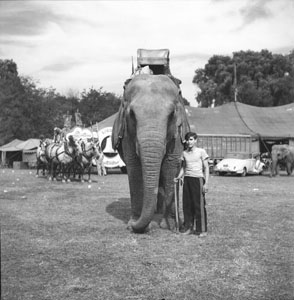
176	184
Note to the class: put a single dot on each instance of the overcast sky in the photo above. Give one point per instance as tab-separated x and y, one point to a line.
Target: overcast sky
76	45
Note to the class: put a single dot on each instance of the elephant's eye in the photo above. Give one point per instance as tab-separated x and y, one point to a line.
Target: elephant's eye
132	114
171	115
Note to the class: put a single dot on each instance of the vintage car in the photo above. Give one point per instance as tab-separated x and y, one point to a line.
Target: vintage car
240	163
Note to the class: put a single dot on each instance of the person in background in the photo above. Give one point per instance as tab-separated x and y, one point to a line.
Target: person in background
42	141
100	164
195	173
57	138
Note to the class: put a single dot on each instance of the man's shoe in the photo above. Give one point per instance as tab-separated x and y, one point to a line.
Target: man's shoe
187	232
202	234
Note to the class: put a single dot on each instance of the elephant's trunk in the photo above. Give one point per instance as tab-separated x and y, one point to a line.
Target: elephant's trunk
151	153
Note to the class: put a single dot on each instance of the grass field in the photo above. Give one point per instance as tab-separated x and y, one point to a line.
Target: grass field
69	241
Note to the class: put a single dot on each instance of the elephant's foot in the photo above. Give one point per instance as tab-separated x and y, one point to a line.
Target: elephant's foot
152	226
164	224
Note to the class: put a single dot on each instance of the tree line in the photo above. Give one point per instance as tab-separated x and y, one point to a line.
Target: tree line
27	111
255	78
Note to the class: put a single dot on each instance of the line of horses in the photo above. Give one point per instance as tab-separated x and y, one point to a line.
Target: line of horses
67	158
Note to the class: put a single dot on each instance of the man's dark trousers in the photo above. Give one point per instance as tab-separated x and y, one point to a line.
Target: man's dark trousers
194	204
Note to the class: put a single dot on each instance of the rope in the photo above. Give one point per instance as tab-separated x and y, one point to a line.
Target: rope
235	103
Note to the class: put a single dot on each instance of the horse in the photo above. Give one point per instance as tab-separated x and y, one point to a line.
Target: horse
62	155
90	152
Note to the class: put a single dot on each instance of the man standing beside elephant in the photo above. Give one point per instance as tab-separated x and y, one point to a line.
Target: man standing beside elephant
195	170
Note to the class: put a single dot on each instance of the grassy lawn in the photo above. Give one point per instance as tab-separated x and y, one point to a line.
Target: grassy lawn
69	241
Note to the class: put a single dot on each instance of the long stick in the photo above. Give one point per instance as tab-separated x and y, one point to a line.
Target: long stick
92	132
176	205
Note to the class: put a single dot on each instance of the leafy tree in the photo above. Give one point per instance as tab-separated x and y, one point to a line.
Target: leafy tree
96	105
28	111
11	102
261	79
186	102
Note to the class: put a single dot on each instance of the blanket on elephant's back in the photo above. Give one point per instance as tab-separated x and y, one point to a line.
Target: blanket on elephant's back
175	80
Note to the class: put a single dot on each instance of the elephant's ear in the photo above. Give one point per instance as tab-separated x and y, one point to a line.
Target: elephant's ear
182	121
285	151
118	128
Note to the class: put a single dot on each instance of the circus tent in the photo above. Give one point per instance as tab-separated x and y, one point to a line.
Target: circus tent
18	150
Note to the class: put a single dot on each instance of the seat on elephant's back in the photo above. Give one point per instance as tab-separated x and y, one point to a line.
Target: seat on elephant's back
153	62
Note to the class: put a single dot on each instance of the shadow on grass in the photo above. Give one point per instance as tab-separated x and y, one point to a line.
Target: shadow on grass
120	209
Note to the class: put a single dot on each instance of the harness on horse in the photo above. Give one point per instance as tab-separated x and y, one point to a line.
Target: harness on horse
88	150
66	151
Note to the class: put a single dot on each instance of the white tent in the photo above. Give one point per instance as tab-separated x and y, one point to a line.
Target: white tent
16	148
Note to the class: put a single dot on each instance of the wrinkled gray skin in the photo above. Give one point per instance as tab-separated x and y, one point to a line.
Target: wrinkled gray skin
149	129
282	154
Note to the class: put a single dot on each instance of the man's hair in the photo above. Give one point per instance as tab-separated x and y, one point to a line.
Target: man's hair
190	134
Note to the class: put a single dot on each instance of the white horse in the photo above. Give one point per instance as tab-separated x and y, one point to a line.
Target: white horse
62	155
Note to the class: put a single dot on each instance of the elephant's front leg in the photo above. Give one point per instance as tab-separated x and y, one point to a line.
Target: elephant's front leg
170	169
289	168
134	170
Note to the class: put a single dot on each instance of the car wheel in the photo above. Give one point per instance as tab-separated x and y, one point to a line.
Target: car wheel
244	173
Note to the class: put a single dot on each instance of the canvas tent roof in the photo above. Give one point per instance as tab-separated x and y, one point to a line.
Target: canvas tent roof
217	121
238	118
28	144
19	145
11	146
269	122
108	122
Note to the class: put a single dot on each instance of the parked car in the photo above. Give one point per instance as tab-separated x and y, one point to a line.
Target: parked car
240	163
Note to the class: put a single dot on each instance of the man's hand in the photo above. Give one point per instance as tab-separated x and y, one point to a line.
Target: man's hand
205	188
180	179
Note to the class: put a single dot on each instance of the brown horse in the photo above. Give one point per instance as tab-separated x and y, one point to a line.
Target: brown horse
42	162
90	152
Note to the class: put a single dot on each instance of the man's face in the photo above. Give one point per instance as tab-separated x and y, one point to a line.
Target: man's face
191	142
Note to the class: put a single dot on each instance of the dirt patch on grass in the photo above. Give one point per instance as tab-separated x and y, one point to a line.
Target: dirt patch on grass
69	241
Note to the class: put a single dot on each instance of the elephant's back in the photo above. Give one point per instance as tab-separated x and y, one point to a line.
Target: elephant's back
146	82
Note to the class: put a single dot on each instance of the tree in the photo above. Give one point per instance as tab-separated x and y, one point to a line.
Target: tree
11	101
261	79
96	105
26	110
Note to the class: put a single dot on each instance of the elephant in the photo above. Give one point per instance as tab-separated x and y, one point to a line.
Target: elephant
282	155
148	133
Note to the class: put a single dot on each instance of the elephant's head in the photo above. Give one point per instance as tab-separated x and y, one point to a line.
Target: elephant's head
153	121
